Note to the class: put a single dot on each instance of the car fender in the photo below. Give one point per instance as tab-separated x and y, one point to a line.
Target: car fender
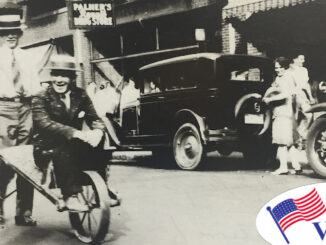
186	113
242	100
268	114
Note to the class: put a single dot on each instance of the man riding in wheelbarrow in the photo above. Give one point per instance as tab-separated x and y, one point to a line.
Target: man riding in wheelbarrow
58	116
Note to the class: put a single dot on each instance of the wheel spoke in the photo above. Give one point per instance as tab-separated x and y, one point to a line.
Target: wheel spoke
89	224
92	215
83	218
83	196
92	197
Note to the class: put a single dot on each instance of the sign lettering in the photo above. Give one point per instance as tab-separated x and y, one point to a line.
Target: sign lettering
86	14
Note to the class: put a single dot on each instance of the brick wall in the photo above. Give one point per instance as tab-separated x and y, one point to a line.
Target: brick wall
232	41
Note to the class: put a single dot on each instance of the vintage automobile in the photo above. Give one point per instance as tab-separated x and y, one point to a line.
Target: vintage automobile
193	104
316	138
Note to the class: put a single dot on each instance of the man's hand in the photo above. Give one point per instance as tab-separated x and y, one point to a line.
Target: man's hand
91	137
98	125
80	135
266	100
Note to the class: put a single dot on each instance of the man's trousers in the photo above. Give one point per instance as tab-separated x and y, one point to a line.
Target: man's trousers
15	129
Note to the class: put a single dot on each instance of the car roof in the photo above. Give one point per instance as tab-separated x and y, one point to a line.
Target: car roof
193	57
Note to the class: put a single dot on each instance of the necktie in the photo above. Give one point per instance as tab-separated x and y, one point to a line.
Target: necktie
16	75
65	98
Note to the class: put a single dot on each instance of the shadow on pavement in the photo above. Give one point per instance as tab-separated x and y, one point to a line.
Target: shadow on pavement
214	162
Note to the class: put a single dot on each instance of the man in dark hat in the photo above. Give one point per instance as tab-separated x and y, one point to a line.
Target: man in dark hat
58	115
18	84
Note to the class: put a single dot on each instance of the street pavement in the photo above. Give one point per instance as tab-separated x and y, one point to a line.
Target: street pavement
217	205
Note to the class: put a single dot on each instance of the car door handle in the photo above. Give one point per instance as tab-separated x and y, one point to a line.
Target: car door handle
161	97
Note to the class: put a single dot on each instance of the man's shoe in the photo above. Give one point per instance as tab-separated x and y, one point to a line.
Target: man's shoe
280	172
25	221
115	199
75	205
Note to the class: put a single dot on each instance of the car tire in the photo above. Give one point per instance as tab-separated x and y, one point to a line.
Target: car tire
188	148
316	146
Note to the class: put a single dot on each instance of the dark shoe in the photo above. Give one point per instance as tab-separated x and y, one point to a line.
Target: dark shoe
298	171
25	221
115	200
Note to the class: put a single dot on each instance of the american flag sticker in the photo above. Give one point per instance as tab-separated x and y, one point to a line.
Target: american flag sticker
296	217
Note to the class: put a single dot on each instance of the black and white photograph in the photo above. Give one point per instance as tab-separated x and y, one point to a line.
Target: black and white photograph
162	122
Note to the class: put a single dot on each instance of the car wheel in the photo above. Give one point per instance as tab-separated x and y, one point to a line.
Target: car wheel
188	148
316	146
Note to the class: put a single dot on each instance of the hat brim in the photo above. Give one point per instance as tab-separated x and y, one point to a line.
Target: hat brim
11	28
61	69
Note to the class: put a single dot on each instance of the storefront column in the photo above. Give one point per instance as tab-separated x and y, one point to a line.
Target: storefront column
82	52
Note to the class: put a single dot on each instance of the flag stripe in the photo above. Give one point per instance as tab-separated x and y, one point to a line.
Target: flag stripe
308	201
306	196
312	208
297	215
297	219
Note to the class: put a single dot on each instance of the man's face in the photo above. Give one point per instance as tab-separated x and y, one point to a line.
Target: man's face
299	60
61	80
10	38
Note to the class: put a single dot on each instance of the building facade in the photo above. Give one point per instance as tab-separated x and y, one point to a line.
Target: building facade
277	28
145	31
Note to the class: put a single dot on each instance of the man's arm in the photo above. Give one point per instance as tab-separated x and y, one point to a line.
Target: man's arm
43	121
91	117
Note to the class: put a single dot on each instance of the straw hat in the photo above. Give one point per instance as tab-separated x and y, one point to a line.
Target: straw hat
10	16
62	62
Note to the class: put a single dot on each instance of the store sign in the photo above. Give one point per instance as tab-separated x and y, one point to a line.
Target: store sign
91	14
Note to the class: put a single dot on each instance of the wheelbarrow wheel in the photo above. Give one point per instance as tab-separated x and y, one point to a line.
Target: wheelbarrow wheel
93	225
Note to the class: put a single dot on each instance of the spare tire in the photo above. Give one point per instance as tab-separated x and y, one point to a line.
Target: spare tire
253	122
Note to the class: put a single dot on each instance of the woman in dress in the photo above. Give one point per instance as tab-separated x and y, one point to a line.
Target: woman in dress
280	96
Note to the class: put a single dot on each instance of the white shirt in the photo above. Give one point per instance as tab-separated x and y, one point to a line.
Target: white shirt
28	75
301	77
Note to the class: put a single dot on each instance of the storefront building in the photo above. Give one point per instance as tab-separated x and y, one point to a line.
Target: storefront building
145	31
278	28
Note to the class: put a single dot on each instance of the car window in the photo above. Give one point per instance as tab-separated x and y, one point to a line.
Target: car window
182	76
247	74
153	85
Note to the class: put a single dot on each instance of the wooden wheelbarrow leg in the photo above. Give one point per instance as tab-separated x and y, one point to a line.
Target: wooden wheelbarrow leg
20	159
8	195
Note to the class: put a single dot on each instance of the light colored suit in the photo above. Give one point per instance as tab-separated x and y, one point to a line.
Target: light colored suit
28	75
16	119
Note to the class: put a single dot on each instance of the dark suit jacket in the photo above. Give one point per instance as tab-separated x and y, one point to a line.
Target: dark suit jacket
53	125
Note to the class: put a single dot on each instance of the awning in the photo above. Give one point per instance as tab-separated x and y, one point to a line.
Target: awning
244	9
